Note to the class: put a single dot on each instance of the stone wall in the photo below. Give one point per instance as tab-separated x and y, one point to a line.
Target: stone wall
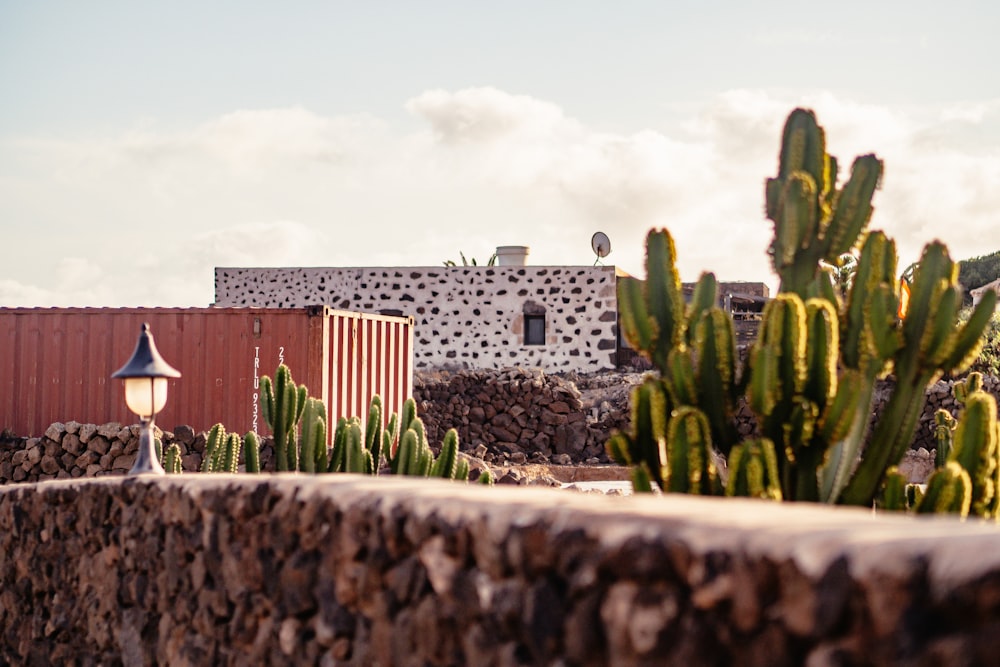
71	450
466	317
281	569
513	415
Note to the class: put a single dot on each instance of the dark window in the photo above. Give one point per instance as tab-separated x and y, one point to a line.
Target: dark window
534	330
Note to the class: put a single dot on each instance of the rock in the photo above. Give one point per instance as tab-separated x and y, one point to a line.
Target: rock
184	435
71	443
55	432
86	432
99	444
110	430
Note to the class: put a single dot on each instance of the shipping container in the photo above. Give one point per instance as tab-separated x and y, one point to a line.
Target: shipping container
56	363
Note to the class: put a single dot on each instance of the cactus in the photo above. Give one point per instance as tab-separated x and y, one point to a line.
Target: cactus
645	446
949	490
446	464
214	444
230	459
373	429
813	221
753	470
339	452
251	452
172	460
894	493
158	449
932	344
813	368
312	441
975	449
690	468
357	458
944	430
282	403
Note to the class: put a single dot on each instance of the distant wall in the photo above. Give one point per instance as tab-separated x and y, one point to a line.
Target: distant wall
283	569
466	317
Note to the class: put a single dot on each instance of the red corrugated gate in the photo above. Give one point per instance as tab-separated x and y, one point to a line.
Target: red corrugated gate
56	363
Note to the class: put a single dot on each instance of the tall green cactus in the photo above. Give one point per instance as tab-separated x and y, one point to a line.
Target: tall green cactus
813	369
282	403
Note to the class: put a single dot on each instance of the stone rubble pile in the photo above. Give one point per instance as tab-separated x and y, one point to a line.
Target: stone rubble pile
71	449
512	415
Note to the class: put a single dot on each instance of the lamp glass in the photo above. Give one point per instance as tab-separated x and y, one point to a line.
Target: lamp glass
144	400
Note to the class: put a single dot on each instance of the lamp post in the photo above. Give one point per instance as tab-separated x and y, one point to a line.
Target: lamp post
145	376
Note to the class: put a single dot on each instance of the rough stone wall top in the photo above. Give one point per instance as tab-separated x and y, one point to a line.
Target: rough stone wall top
466	317
349	570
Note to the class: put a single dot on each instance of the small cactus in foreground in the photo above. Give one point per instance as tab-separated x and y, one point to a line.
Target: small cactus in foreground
172	460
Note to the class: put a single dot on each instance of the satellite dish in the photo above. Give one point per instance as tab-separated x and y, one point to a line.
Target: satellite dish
601	245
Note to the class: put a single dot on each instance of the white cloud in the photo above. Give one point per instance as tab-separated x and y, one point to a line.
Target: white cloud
292	187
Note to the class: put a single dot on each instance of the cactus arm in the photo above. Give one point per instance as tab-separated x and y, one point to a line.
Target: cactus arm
444	466
267	401
213	443
373	429
975	449
354	450
462	470
642	481
851	407
407	456
172	460
949	490
231	461
251	449
889	441
690	465
663	294
715	341
339	453
854	205
704	298
638	328
894	498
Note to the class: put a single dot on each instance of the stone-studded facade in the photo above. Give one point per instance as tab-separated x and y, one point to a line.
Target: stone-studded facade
466	317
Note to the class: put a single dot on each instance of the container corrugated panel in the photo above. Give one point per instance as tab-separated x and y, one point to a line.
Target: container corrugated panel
56	363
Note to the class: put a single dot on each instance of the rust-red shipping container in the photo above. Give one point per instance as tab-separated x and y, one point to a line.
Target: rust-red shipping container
56	363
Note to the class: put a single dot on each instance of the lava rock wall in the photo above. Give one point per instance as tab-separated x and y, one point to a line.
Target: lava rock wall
346	570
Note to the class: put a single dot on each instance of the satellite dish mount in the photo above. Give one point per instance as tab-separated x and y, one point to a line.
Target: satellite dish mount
601	245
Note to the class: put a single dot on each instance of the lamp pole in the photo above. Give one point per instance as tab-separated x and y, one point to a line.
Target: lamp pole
145	376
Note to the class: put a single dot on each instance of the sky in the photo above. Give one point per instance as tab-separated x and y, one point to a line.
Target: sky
144	143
